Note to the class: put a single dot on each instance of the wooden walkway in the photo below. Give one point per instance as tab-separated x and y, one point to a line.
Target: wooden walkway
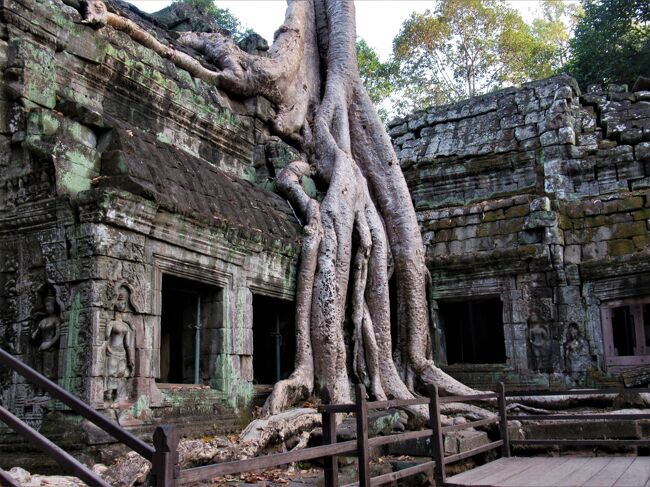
557	471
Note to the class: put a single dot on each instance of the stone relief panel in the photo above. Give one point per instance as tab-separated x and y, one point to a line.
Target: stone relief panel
119	347
539	338
576	351
46	335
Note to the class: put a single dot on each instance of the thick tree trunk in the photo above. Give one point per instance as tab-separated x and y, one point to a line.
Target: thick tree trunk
363	228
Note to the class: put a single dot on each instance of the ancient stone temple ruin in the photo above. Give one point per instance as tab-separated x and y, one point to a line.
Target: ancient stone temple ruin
534	206
140	265
147	266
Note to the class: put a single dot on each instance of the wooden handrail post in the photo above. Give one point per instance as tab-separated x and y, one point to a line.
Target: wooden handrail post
331	466
164	467
361	409
503	420
437	445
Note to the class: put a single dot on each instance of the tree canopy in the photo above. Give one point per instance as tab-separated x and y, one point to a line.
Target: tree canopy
612	42
222	16
460	49
377	77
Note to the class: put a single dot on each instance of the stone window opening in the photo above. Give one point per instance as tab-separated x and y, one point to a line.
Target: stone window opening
473	331
626	332
190	322
274	339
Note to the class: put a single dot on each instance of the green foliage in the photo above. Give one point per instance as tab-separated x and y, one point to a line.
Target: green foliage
552	34
465	48
612	42
222	16
377	77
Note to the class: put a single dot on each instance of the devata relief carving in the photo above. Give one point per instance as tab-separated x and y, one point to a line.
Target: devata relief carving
540	345
576	350
47	333
120	350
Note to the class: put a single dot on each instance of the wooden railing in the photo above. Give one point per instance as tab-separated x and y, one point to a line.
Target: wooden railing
361	447
163	455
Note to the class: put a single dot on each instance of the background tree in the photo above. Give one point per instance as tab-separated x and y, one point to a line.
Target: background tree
612	42
378	78
552	33
222	16
465	48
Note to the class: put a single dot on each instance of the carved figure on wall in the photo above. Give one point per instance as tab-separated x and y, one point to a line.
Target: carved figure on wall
120	349
48	333
540	345
576	350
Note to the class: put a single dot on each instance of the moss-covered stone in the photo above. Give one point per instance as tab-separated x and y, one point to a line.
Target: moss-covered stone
617	248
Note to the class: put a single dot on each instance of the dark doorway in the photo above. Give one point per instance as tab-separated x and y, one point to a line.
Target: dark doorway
189	305
624	331
473	331
274	339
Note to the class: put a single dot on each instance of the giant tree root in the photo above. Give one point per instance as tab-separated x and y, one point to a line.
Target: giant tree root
361	228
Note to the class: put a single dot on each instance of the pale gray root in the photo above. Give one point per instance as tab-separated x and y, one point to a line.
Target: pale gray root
374	153
301	382
568	400
276	429
468	410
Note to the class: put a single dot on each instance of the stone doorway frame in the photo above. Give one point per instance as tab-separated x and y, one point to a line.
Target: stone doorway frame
614	362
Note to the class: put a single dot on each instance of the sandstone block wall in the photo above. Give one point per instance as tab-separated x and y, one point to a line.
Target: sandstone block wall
117	168
538	196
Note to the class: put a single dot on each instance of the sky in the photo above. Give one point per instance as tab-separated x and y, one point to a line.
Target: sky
378	21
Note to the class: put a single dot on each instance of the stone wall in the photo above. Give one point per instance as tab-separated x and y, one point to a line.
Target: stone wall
117	168
538	196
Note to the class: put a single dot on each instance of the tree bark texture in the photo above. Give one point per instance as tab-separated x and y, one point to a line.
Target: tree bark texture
360	232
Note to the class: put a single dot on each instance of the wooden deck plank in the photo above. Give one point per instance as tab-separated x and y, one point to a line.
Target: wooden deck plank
528	471
511	468
535	476
558	475
609	476
636	474
483	476
467	477
580	469
558	472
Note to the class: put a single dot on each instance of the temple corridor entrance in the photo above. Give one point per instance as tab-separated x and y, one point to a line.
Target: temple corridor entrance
274	339
473	331
189	342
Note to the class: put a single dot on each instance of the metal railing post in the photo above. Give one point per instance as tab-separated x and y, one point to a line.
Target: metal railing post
437	445
503	420
164	466
361	411
329	438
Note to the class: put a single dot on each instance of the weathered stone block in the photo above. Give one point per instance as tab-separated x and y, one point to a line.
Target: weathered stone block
526	132
549	138
512	121
630	229
572	254
617	248
32	72
642	151
566	135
